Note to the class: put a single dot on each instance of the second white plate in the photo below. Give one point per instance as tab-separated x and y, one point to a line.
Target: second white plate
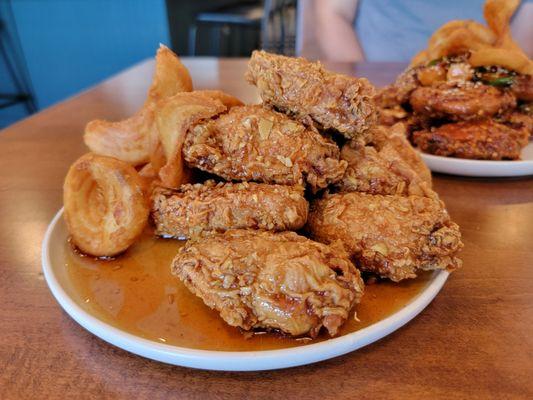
482	168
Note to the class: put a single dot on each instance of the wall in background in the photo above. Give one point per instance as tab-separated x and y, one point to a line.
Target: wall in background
70	45
15	112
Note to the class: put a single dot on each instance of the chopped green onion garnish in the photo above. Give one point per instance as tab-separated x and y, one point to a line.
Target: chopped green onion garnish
434	62
503	81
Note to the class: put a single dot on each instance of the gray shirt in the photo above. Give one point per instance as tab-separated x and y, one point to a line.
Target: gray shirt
395	30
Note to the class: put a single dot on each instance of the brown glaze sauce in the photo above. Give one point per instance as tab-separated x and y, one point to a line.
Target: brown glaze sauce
137	293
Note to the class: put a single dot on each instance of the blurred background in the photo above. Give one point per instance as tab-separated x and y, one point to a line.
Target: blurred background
53	49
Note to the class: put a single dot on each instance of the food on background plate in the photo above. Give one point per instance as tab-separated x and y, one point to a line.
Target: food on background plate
392	236
485	140
206	207
265	280
253	143
467	102
310	93
241	257
469	72
105	207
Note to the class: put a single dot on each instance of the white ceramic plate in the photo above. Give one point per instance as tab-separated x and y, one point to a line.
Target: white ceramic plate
54	242
482	168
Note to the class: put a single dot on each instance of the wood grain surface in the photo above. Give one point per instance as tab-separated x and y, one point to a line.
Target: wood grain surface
474	341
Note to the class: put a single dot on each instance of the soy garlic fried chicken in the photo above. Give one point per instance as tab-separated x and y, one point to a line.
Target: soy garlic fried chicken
399	92
391	236
265	280
387	165
313	94
210	207
392	100
484	140
464	112
522	88
467	101
392	115
252	143
521	120
472	75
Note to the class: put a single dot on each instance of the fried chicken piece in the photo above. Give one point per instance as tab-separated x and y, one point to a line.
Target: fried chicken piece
377	170
266	280
399	92
520	120
252	143
391	99
392	236
461	102
311	93
396	137
417	122
386	165
483	140
435	74
522	87
194	209
391	116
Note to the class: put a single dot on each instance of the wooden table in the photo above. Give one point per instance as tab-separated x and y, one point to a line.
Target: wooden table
474	341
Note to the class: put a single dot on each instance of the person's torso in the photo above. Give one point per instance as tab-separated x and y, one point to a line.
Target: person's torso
395	30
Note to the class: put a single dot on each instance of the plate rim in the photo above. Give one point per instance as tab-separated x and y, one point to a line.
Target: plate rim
478	168
477	162
233	360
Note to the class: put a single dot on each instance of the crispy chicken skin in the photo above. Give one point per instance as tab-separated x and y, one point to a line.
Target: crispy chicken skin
400	91
484	140
461	102
252	143
311	93
392	115
195	209
386	165
392	236
522	87
377	170
265	280
520	121
396	137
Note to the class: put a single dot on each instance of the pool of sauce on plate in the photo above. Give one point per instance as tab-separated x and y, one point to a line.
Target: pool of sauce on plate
137	293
